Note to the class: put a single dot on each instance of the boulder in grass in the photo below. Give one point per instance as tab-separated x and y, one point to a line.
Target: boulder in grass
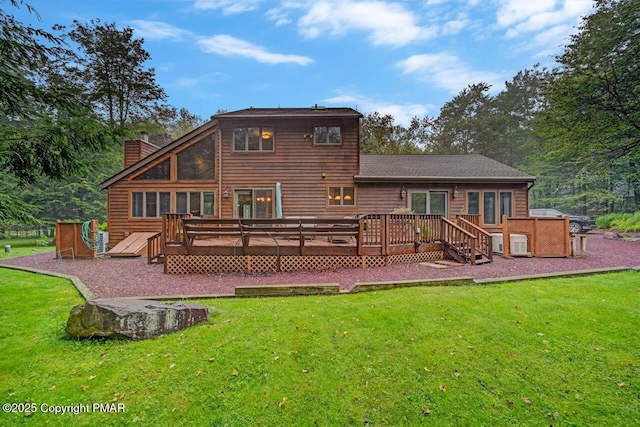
133	319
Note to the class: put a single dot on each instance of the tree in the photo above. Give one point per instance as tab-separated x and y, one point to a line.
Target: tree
164	124
379	134
112	67
516	107
592	118
465	124
45	129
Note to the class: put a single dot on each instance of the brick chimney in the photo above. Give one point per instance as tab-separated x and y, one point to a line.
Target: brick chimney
136	149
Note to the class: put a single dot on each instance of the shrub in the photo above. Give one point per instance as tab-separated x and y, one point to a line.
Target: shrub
625	222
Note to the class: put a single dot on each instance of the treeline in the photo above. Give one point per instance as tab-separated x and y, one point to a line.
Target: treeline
67	101
576	127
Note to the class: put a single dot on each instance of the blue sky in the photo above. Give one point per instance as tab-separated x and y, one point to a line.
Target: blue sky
406	58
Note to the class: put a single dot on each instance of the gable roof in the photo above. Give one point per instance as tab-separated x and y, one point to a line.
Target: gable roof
161	152
436	168
315	111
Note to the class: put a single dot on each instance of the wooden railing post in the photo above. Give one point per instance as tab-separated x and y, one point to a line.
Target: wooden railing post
384	233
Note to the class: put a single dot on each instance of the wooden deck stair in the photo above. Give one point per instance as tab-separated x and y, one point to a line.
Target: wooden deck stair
468	243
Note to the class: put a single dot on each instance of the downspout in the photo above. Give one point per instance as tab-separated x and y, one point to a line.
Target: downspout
219	138
528	201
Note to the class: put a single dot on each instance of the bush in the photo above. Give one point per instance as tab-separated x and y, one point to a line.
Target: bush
625	222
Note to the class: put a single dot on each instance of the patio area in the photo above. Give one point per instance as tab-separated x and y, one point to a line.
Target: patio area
133	277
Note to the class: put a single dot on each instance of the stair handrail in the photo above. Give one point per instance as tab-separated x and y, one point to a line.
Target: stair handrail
468	238
484	241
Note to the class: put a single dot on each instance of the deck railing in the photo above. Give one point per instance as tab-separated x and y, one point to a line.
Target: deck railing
154	249
484	241
172	229
472	218
372	234
460	242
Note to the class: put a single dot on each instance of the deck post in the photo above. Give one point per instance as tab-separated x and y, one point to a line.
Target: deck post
384	234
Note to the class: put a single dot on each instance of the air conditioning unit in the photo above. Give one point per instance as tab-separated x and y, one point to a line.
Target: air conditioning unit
518	244
103	239
497	243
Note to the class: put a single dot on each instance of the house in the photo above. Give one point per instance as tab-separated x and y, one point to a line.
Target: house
284	162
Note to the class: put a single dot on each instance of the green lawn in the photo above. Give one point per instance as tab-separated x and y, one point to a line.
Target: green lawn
544	352
25	246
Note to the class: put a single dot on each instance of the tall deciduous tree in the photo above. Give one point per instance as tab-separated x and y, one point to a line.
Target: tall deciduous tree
112	67
380	134
593	114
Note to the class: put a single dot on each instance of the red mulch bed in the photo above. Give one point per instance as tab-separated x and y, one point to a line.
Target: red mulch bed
132	277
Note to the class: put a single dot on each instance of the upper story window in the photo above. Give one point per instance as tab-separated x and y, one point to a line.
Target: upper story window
253	139
327	135
196	162
161	171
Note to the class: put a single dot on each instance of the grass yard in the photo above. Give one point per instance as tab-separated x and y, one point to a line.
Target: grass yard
25	246
544	352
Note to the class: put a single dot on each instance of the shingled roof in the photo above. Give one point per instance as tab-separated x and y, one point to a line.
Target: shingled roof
315	111
436	168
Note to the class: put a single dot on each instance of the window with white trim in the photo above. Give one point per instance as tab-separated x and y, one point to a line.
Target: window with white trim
150	204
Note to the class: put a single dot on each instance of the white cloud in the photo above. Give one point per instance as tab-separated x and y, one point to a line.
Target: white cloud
447	71
226	45
278	16
387	23
454	26
402	113
157	30
228	7
520	18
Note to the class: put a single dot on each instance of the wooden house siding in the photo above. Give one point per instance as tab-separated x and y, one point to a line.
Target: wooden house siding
384	197
304	170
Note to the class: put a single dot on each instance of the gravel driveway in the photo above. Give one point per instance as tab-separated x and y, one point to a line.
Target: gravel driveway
132	277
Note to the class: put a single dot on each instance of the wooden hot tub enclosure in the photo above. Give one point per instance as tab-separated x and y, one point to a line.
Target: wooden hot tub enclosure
190	245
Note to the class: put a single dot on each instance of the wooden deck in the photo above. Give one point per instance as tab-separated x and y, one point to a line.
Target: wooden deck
366	240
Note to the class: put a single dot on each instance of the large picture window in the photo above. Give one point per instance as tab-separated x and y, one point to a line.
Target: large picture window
327	135
196	162
196	203
150	204
254	203
428	202
342	196
253	139
161	171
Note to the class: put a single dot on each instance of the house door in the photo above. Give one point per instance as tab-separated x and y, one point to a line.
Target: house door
429	202
254	203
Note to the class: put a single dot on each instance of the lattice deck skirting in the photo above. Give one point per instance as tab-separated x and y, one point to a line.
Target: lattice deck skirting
213	264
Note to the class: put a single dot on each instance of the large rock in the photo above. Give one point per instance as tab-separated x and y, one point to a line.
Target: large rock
134	319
